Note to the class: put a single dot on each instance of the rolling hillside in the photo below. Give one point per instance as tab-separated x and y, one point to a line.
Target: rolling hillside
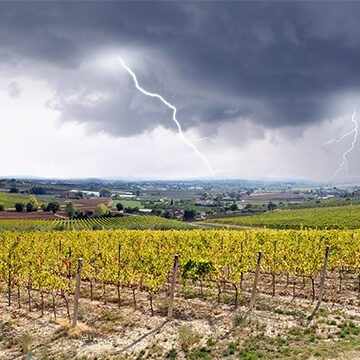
9	200
337	217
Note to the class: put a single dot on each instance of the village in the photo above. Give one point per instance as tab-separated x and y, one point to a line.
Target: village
180	200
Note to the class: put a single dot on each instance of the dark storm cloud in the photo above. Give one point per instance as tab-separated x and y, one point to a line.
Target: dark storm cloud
275	63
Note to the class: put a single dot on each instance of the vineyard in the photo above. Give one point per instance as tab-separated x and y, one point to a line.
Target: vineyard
128	258
134	268
9	200
337	217
106	223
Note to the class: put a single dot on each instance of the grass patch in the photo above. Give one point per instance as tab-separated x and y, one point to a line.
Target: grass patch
128	203
187	337
108	316
201	353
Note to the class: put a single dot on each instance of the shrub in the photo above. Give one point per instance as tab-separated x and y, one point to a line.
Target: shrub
19	207
70	210
101	210
53	206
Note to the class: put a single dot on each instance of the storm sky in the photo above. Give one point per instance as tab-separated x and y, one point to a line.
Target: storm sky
260	87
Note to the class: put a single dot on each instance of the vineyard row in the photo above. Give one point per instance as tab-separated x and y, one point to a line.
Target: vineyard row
46	262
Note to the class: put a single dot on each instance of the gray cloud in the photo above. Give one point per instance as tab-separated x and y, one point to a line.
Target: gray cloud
14	90
275	64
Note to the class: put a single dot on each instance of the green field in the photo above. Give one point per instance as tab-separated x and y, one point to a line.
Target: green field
337	217
128	203
9	200
320	203
126	222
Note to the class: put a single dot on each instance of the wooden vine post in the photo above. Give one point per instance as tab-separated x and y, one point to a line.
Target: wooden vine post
172	287
9	280
322	283
256	280
77	292
69	267
118	275
274	271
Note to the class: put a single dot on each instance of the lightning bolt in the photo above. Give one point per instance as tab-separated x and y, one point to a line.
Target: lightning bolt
345	163
174	112
341	137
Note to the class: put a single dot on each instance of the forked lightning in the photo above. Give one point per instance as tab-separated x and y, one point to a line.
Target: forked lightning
174	111
345	164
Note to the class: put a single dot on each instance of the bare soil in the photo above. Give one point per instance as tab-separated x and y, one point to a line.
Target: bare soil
39	215
80	204
202	328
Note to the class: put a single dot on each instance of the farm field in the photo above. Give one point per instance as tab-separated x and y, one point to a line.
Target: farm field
323	203
336	217
37	215
128	203
80	204
277	196
89	204
9	200
126	277
126	222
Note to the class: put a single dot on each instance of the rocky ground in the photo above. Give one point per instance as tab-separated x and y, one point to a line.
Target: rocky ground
201	329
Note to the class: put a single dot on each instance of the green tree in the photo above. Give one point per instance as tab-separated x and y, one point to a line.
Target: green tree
80	214
131	210
156	212
14	190
105	192
233	207
168	215
101	210
189	214
70	210
271	206
53	206
19	207
34	203
32	206
2	207
38	190
120	206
